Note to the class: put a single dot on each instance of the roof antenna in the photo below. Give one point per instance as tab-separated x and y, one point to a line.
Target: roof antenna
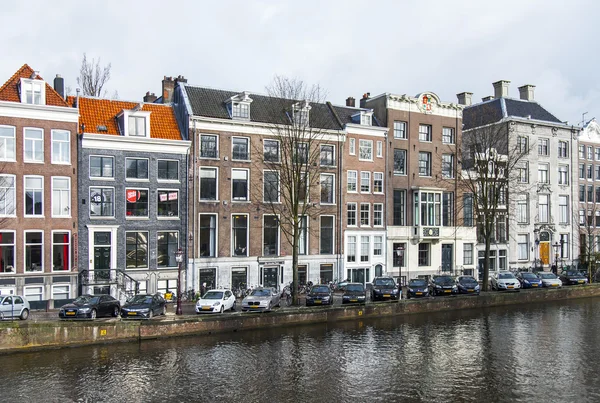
583	119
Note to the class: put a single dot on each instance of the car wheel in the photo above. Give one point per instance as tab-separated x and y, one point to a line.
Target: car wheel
94	314
24	314
233	306
269	307
164	311
115	312
150	314
222	309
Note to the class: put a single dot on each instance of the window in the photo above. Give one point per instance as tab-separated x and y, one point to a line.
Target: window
209	146
167	245
327	158
522	209
447	209
168	170
239	184
365	212
136	168
271	186
364	248
581	217
34	196
7	143
101	167
239	229
563	174
301	154
365	150
581	152
448	135
399	130
7	195
424	164
240	110
136	249
351	252
303	192
61	291
523	172
327	188
424	132
351	214
468	209
590	194
590	174
303	242
429	207
543	173
365	182
34	293
7	252
543	147
523	145
137	202
326	235
270	235
352	146
240	148
102	202
352	179
447	166
502	259
563	149
300	115
61	147
61	197
380	149
522	246
33	92
399	207
563	209
208	235
271	150
34	145
597	169
501	229
168	203
377	215
208	183
597	154
543	207
378	182
467	254
377	245
581	171
564	246
61	251
34	247
582	193
424	254
365	118
399	162
137	126
590	153
598	194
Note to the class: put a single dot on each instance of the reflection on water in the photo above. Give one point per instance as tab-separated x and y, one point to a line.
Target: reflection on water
538	353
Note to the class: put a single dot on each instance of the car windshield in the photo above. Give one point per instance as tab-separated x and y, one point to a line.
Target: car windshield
141	299
213	295
467	280
86	299
547	275
505	275
384	281
355	287
443	279
529	275
320	288
573	273
261	292
417	283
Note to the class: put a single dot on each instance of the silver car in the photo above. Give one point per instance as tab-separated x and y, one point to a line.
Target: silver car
261	299
14	306
504	281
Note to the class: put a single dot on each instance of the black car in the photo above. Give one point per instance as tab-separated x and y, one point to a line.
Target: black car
417	287
91	307
144	306
442	285
354	293
573	277
467	285
319	294
384	288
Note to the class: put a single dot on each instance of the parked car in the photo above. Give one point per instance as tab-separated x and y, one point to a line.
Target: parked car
529	280
504	281
14	306
385	288
354	293
144	306
319	294
261	299
467	285
442	285
573	277
216	301
417	287
90	307
549	279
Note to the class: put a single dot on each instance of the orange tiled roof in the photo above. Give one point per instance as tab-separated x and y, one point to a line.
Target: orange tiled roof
10	92
94	112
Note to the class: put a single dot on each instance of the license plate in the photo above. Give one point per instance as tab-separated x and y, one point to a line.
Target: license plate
580	281
447	290
419	293
554	285
353	300
206	308
70	313
470	290
511	286
534	285
318	301
132	313
386	295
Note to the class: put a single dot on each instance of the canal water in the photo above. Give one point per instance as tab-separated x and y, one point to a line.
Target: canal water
539	353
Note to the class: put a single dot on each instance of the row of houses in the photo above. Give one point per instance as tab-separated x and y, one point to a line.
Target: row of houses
99	195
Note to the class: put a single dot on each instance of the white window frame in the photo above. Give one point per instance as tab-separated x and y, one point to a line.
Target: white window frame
31	296
543	173
41	270
447	165
232	245
143	115
138	217
135	179
57	204
34	141
52	249
350	182
332	232
216	157
278	151
367	147
379	149
25	177
14	248
216	171
522	247
351	249
563	209
278	186
30	84
216	235
112	177
55	286
375	174
397	130
304	235
6	140
365	246
445	136
544	212
10	205
333	162
64	155
563	174
354	204
332	188
169	192
428	135
378	211
247	146
367	178
352	146
277	246
238	200
95	217
158	178
378	240
367	217
428	161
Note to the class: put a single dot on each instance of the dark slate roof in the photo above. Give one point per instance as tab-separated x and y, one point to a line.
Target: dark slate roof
495	110
345	114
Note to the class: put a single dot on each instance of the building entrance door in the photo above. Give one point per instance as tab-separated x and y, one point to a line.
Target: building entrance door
270	276
447	258
208	277
359	275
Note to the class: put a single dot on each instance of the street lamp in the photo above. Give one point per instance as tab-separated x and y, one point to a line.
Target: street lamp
556	246
178	259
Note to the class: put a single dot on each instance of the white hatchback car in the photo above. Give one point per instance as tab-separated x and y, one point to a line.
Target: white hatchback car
549	279
14	306
504	281
216	301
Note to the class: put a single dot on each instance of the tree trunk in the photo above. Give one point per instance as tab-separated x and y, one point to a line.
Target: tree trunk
486	265
294	288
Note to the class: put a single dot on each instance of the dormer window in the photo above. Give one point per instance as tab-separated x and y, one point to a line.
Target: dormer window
364	117
238	106
137	126
33	92
301	115
134	122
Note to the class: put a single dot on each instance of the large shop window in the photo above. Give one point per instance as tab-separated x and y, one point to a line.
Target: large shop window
137	202
239	229
168	243
34	247
208	239
271	235
136	249
61	251
7	252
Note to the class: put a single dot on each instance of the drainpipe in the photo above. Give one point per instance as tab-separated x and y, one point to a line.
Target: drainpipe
340	210
194	236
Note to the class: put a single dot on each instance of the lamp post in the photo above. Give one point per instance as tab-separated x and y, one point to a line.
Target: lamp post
556	246
178	259
536	233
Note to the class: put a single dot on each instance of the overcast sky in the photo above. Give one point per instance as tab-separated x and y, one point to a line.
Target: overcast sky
347	47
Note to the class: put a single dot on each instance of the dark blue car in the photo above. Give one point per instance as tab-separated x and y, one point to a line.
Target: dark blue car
529	280
467	285
417	287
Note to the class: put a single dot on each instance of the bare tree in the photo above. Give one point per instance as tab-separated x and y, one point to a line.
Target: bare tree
93	77
588	222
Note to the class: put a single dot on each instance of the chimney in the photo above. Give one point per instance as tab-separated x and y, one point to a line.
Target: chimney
350	102
464	98
168	86
526	92
488	98
181	79
363	100
59	85
501	88
149	97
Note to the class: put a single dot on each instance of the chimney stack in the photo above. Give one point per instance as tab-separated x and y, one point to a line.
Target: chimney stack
350	102
501	88
59	85
526	92
488	98
149	97
464	98
363	100
168	86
